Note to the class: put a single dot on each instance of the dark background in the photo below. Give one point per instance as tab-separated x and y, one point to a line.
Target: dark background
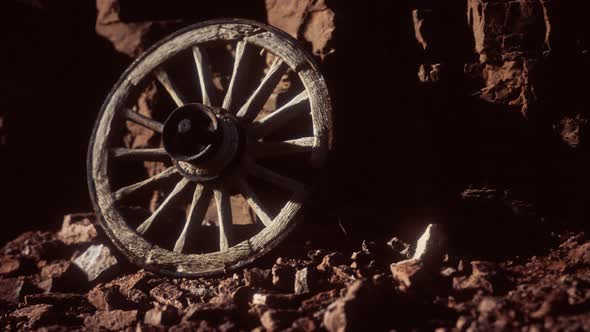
404	150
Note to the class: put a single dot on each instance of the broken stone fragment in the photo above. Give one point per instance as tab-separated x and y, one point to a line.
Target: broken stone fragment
304	324
9	265
579	257
316	256
409	273
35	315
209	311
283	277
277	300
399	246
111	320
361	308
485	277
361	258
96	262
305	281
77	228
34	245
275	320
139	280
332	260
11	289
168	294
106	298
556	303
161	315
429	247
62	276
256	277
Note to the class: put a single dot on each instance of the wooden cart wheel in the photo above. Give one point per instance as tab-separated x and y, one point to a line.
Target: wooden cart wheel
216	147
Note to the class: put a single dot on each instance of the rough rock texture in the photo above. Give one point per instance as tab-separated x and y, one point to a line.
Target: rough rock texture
111	320
310	21
96	262
482	104
331	292
77	229
130	38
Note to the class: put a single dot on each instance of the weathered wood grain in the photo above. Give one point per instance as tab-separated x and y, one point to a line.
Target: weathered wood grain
166	204
253	105
224	216
280	117
281	148
254	202
147	184
149	154
152	124
131	243
170	87
238	77
205	77
197	211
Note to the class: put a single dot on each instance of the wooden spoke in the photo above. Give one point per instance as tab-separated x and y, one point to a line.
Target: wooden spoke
272	149
146	184
224	216
280	117
254	202
197	210
270	176
152	154
152	124
173	91
243	51
205	77
172	197
253	106
247	90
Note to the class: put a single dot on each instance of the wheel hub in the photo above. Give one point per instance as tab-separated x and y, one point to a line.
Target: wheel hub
201	141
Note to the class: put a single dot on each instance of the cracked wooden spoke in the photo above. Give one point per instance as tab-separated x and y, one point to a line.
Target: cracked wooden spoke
280	117
147	184
253	106
254	202
224	216
205	77
238	77
270	176
197	211
173	91
150	154
141	120
172	197
272	149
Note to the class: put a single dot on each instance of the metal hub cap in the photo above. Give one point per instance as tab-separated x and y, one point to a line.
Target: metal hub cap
201	141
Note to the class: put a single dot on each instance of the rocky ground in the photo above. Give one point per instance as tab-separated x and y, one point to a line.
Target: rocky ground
73	280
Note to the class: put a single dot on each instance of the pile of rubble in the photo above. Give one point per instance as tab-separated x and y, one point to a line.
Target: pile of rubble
73	280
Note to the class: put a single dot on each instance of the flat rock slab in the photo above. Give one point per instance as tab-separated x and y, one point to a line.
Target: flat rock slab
96	262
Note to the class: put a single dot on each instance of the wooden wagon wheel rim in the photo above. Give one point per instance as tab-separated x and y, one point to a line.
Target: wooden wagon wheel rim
289	55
